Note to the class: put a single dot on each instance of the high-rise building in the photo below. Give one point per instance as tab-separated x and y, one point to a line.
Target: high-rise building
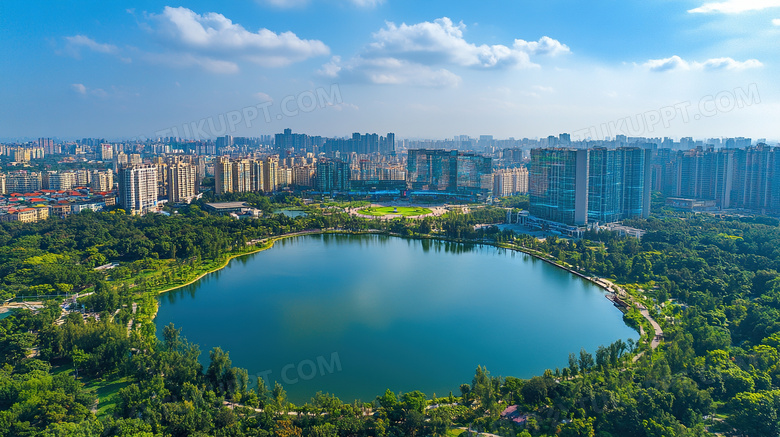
106	152
365	144
256	170
102	181
223	175
558	185
332	175
182	182
66	180
472	173
162	178
3	189
580	186
48	146
448	170
225	141
270	179
120	159
22	154
242	175
303	176
387	144
284	176
432	170
510	181
636	181
138	188
22	181
83	178
605	186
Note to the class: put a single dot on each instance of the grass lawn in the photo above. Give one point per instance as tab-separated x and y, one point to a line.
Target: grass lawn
107	393
401	211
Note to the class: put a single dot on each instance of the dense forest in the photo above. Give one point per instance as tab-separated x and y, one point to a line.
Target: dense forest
711	282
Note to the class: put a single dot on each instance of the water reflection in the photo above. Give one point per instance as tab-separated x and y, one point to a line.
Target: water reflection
404	314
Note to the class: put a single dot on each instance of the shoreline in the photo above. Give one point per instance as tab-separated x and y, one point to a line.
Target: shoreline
271	240
601	283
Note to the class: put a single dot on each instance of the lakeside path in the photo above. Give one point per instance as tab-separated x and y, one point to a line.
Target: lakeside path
658	332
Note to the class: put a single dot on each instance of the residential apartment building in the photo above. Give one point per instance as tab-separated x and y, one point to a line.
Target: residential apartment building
22	181
182	182
507	182
745	178
138	188
102	181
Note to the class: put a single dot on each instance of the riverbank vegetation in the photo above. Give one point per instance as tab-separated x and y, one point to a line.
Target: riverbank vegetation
711	282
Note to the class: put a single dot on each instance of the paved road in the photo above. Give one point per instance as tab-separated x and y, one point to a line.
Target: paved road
658	332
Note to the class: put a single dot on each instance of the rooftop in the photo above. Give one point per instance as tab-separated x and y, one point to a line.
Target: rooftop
227	205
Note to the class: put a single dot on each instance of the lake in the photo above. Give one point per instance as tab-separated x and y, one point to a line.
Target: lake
292	213
354	315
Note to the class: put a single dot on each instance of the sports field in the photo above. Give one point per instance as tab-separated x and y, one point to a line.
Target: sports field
400	211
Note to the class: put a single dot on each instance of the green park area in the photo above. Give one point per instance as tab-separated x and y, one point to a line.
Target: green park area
401	211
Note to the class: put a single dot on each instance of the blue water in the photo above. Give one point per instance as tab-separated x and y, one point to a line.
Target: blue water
292	213
355	315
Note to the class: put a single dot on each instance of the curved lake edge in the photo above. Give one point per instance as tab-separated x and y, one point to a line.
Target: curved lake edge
270	241
282	270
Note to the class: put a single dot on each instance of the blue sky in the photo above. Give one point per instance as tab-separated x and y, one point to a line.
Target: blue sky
420	69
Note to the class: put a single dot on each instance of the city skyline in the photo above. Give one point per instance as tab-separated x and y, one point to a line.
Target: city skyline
437	70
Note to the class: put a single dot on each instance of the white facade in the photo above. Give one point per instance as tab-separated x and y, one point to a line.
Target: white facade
138	188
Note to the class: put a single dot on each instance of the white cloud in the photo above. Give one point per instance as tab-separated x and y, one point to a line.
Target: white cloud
673	63
677	63
414	54
263	97
332	68
545	46
442	42
74	44
83	90
215	43
79	88
735	6
390	71
728	64
776	21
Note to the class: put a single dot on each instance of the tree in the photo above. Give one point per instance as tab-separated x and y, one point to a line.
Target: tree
285	428
220	375
414	401
573	367
578	428
388	400
755	414
79	358
534	390
586	360
279	397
